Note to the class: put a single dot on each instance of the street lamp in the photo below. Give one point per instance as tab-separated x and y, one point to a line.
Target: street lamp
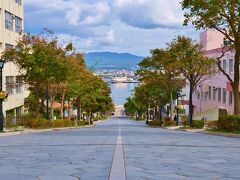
1	100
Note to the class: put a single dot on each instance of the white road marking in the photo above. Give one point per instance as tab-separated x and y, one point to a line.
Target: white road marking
118	171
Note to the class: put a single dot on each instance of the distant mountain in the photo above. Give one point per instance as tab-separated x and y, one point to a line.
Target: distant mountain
112	60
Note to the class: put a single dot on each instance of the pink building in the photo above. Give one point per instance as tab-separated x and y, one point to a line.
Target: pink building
215	92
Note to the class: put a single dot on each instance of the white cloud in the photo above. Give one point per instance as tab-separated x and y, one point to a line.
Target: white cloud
73	16
110	36
109	25
150	14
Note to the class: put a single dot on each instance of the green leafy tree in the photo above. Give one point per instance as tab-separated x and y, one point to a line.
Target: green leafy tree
159	71
131	107
192	64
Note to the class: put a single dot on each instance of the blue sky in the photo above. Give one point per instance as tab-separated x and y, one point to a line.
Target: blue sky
133	26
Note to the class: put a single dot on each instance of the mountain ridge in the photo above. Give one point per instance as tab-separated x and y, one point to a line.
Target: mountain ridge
112	60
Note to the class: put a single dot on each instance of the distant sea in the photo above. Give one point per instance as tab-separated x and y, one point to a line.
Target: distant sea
121	91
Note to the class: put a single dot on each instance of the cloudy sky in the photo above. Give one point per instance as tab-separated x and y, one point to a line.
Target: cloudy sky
133	26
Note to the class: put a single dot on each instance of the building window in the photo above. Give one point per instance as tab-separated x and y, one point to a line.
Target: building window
19	83
9	84
230	97
8	20
219	95
18	2
18	112
225	65
18	24
209	92
205	96
224	95
214	93
8	46
231	66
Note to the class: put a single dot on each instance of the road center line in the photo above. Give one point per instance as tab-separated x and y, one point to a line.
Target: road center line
118	171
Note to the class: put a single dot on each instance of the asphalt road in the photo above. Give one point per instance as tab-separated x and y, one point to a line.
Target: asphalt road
119	149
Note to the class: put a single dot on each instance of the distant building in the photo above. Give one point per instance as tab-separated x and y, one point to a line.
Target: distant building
215	92
11	29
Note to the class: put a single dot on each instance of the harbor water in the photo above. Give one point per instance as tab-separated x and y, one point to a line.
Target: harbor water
121	91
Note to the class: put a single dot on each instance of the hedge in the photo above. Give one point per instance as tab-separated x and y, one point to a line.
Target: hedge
198	124
229	123
44	124
155	123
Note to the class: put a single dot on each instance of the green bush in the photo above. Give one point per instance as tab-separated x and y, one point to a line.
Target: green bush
155	123
83	123
213	125
140	119
168	122
184	120
229	123
36	123
43	123
198	124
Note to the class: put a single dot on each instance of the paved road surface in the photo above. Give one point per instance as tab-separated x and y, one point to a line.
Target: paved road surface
141	153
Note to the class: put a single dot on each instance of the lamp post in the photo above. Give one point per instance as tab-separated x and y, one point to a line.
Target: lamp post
1	100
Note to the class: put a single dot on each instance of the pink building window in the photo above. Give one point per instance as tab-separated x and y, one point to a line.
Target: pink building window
231	66
224	96
230	97
219	95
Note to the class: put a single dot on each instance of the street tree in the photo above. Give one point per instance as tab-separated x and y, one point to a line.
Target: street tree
159	71
223	16
192	64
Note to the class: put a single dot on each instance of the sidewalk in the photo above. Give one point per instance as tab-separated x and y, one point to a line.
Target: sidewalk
28	131
203	131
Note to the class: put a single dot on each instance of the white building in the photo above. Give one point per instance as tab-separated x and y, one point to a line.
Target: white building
11	29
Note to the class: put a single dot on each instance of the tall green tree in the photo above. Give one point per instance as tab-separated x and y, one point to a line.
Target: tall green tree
192	64
223	16
160	71
41	61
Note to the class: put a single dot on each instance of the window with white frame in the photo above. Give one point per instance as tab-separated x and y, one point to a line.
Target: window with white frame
8	46
19	84
8	20
209	92
18	2
231	66
224	65
230	98
214	93
18	24
219	94
10	84
224	95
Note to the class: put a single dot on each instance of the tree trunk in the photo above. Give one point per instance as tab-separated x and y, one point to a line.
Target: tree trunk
78	112
147	117
171	106
160	112
62	103
190	116
69	110
51	106
47	101
37	103
236	82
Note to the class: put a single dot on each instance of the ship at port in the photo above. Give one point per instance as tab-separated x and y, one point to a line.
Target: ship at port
123	80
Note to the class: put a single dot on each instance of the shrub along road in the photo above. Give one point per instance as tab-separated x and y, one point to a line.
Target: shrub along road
141	153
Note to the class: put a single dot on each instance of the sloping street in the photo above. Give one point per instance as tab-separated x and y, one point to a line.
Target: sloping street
119	149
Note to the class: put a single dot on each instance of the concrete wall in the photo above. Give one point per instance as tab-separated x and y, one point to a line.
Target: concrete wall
16	99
